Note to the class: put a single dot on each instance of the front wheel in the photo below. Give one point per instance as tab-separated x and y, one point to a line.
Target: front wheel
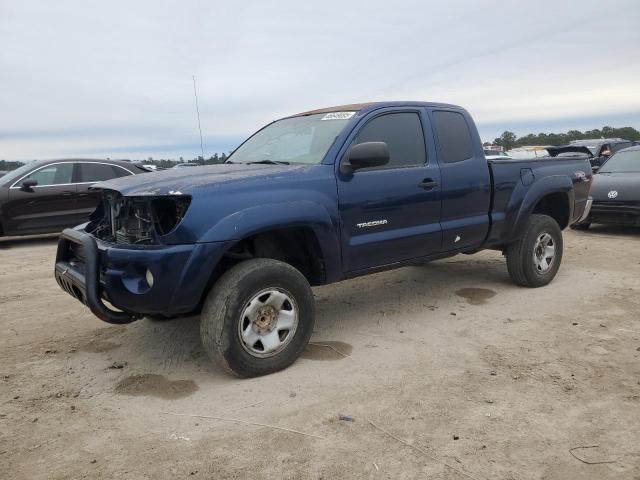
534	260
258	317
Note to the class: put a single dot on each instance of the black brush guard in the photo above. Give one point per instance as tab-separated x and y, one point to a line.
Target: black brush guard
85	285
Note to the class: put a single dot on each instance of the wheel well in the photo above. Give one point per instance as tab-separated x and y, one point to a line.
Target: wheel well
297	246
555	205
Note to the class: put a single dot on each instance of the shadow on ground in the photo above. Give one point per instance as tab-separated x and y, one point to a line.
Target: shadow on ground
343	311
29	241
616	230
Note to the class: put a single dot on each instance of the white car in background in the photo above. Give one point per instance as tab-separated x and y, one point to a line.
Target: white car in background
526	153
496	155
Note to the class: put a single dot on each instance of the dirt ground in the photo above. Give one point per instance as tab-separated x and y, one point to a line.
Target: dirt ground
447	371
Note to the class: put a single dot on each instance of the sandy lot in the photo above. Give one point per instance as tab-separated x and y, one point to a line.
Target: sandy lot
448	371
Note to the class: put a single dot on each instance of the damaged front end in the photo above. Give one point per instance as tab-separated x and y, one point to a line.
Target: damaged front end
138	220
122	255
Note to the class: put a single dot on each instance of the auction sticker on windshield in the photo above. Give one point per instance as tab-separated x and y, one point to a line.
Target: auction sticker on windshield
338	116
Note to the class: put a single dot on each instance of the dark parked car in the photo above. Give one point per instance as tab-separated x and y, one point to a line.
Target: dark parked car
312	199
570	151
616	191
602	148
50	195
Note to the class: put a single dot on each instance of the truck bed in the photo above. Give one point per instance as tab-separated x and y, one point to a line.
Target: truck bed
514	180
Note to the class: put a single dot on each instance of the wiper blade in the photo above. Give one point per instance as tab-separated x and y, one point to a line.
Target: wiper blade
269	162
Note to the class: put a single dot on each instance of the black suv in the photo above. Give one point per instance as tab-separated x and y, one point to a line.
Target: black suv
50	195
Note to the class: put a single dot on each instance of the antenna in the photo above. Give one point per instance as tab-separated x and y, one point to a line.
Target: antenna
195	94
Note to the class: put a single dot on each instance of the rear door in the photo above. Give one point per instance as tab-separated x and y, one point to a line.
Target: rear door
50	206
466	182
89	173
391	213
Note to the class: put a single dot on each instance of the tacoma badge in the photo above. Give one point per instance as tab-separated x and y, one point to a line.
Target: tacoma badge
373	223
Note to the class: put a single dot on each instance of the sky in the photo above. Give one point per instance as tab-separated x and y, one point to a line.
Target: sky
114	79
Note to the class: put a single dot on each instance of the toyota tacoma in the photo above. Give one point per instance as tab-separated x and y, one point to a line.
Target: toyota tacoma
311	199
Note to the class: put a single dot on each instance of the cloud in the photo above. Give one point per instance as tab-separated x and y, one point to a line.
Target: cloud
114	78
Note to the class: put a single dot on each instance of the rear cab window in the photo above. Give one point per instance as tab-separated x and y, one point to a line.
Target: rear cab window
454	137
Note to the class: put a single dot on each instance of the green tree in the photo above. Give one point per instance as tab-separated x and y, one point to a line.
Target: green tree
628	133
507	140
5	165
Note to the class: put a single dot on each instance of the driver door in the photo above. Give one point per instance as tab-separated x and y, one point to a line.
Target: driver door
391	213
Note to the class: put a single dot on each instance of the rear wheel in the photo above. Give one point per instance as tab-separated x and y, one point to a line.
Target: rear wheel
258	317
534	260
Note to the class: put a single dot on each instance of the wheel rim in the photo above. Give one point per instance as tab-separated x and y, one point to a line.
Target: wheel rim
544	253
268	322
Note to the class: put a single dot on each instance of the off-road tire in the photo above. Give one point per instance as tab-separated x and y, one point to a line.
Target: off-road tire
520	254
225	304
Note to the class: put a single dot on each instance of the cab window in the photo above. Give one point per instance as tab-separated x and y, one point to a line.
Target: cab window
453	135
402	132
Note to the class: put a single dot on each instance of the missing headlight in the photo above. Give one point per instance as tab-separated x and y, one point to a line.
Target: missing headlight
167	212
136	220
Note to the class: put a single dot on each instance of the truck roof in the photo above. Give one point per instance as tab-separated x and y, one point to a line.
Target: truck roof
368	106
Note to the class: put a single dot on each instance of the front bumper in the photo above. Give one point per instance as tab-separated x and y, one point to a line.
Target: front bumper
94	272
620	213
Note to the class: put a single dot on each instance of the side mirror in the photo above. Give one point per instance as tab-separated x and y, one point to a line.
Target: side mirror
27	185
367	154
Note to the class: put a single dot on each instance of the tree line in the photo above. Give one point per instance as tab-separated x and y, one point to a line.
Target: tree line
509	140
169	163
6	166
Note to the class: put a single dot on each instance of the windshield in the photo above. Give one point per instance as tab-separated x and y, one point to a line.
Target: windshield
293	140
623	162
13	175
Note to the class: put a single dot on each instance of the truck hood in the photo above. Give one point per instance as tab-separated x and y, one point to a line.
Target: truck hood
188	181
627	186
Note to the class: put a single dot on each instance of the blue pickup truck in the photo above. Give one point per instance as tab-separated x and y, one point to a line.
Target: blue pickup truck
311	199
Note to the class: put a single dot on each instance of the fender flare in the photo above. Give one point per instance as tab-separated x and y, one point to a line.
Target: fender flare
300	213
537	191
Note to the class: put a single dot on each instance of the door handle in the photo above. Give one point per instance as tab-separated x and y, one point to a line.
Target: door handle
428	184
67	193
